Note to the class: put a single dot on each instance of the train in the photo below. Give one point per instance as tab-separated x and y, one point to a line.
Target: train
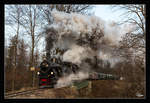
103	76
55	68
51	71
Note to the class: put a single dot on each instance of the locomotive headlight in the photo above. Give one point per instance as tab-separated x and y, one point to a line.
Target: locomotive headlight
52	73
46	65
38	73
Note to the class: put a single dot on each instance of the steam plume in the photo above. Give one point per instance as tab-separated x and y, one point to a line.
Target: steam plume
71	27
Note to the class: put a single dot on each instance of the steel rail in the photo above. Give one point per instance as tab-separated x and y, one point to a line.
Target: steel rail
21	93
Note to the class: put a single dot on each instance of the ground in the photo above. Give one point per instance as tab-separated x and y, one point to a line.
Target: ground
98	89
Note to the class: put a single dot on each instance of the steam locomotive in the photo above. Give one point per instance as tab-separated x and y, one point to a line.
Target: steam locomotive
51	71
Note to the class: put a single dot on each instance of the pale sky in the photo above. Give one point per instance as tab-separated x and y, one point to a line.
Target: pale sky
106	13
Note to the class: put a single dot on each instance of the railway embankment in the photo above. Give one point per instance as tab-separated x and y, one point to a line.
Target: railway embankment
92	89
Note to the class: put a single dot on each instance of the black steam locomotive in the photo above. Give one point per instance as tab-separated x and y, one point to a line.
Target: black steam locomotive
51	71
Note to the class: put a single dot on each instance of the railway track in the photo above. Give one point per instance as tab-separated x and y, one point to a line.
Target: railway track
7	95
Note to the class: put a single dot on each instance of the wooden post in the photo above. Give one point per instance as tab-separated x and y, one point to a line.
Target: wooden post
74	90
33	78
90	87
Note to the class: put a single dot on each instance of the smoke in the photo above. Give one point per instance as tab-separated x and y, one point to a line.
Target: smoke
77	26
113	32
68	80
110	55
77	53
69	28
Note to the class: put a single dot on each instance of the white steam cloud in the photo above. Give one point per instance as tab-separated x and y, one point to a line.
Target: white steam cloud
71	27
78	25
68	80
76	54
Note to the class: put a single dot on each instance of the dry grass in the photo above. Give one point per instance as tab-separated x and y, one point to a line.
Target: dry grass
100	89
113	89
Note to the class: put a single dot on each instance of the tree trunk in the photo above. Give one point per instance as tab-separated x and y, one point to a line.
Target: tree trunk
15	48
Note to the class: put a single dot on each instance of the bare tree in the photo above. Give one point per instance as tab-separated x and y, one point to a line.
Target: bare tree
31	24
136	40
15	14
22	55
11	61
9	65
68	8
134	14
83	9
